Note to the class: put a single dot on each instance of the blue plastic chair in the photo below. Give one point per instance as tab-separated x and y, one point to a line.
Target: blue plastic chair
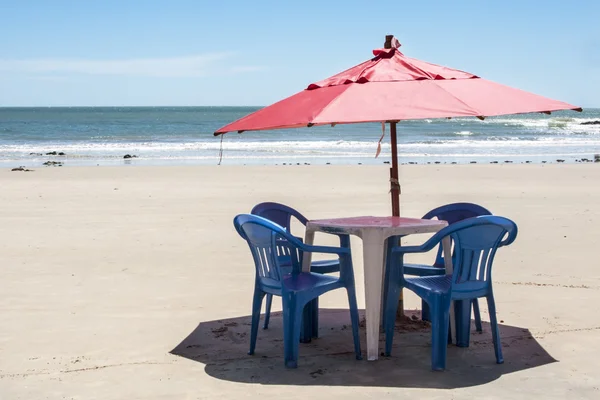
452	213
475	243
282	215
268	242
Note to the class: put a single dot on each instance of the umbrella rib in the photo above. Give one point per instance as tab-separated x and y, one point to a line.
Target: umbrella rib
476	113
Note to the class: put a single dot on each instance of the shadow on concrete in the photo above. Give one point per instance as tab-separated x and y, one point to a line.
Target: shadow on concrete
329	360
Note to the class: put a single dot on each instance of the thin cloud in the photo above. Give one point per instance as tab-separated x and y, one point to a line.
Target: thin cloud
49	78
248	68
188	66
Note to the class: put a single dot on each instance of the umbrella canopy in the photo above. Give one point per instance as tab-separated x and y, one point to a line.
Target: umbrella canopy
393	87
389	88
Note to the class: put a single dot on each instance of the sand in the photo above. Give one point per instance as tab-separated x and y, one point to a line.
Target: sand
130	282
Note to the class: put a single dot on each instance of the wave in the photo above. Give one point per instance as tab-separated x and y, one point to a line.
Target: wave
247	145
306	148
551	125
465	133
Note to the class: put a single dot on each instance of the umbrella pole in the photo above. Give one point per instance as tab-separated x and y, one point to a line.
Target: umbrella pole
394	183
395	192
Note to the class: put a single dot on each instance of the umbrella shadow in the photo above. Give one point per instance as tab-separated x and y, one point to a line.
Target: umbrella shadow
222	346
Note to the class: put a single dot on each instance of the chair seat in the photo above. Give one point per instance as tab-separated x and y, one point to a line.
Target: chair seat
435	284
423	270
325	266
307	281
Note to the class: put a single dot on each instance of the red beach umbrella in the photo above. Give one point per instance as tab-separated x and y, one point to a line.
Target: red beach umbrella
389	88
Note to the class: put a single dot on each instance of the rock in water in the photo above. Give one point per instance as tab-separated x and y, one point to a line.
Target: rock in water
53	163
590	123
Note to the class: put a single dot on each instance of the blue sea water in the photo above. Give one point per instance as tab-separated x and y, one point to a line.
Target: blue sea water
183	135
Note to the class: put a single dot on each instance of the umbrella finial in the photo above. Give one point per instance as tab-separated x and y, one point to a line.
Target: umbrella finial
391	42
388	41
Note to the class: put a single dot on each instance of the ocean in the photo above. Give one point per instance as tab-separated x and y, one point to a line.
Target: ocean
183	135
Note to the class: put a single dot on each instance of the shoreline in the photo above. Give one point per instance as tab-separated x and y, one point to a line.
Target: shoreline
66	161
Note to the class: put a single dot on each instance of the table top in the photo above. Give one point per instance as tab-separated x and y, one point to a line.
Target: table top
386	225
376	222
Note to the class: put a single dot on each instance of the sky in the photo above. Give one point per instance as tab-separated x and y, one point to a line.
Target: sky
226	53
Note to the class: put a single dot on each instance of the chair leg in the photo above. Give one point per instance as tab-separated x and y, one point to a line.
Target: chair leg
315	317
391	307
306	326
425	311
477	316
268	311
292	320
495	330
440	320
256	305
462	309
354	318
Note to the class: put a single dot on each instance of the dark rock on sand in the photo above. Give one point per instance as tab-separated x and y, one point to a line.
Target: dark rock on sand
560	160
129	156
473	162
436	162
386	162
590	123
493	162
35	154
21	168
52	153
596	158
508	162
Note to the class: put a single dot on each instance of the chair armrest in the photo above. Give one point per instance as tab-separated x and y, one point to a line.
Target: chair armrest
317	249
511	238
424	248
325	249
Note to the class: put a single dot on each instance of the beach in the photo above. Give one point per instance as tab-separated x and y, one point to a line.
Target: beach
130	282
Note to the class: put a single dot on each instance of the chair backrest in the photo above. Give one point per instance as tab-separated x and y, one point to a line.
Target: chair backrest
453	213
475	243
269	244
278	213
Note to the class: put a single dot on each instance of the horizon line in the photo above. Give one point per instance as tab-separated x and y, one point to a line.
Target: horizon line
181	106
